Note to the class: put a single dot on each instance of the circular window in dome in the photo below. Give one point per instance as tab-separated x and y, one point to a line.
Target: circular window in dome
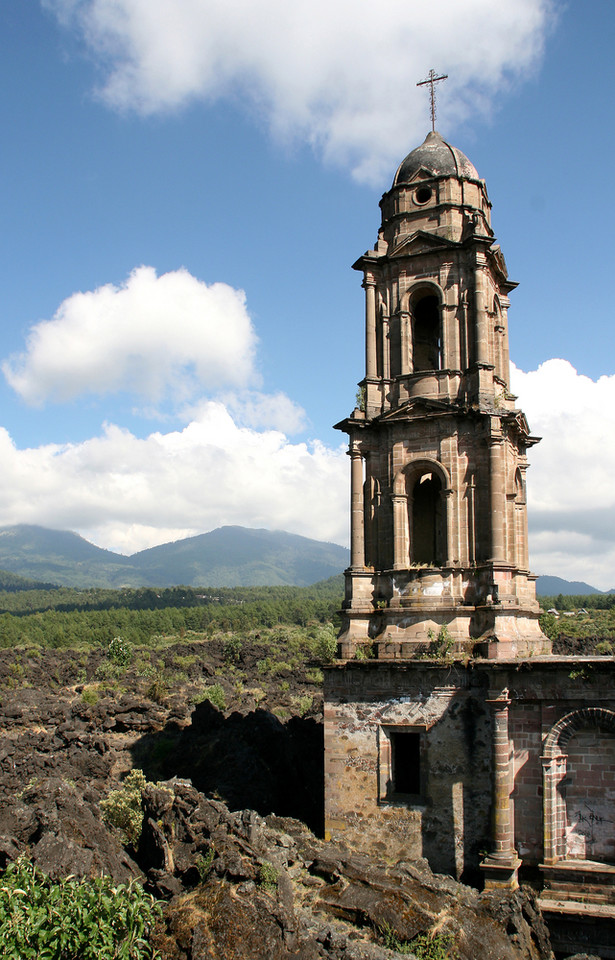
423	195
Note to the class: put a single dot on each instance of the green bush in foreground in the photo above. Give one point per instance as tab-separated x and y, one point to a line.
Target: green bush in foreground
90	919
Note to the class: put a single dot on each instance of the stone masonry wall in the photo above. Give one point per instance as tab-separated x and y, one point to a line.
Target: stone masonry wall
447	822
446	711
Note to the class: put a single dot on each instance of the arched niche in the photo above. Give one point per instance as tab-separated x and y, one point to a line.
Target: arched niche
579	787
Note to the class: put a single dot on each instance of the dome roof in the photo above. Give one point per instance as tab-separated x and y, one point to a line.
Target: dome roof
439	158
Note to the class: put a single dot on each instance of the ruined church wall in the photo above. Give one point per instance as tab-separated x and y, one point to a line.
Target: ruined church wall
542	694
448	821
448	707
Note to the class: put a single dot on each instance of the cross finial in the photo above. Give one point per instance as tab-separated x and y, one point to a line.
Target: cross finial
431	80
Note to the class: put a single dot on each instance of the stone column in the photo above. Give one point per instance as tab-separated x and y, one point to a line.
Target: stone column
405	336
524	556
400	531
504	303
449	551
450	337
357	532
481	328
471	545
554	808
369	286
497	497
386	349
500	867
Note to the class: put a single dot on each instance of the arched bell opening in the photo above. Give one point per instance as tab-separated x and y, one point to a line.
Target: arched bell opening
421	514
426	333
426	544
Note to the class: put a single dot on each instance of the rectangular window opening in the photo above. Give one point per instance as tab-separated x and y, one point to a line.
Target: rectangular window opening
406	762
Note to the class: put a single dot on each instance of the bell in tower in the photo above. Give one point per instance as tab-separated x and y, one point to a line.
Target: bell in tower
438	448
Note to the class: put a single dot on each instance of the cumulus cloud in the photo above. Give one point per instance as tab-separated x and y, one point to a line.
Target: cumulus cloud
255	409
150	336
126	493
570	483
341	75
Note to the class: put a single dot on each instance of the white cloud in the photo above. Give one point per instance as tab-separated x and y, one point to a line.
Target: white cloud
570	483
151	336
277	411
127	494
340	75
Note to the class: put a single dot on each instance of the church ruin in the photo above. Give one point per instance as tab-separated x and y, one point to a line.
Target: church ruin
451	732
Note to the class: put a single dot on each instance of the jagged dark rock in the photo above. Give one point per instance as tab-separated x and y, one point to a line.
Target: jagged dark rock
242	884
327	900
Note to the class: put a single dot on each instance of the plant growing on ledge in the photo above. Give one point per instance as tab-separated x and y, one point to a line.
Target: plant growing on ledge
365	652
441	646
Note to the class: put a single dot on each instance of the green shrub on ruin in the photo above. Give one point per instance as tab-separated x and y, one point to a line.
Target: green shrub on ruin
326	643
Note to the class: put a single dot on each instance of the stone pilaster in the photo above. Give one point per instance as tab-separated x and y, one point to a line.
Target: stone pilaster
400	531
481	330
369	286
357	515
405	332
386	356
497	497
501	865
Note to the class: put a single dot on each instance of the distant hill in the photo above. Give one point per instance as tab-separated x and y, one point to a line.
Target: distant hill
60	557
551	586
13	583
226	557
35	557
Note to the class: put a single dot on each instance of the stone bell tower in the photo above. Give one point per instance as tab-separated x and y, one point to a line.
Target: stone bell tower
451	732
437	445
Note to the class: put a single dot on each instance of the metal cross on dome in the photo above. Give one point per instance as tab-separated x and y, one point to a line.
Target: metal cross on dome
432	79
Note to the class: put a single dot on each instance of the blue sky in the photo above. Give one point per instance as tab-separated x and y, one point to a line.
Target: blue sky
245	148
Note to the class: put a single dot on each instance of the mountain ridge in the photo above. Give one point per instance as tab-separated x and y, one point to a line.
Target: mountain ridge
228	556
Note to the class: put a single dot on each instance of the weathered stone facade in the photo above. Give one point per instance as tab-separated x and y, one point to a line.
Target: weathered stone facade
451	733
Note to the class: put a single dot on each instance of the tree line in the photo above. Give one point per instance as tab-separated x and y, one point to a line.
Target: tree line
65	617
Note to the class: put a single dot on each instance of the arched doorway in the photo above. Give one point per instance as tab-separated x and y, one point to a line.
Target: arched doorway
579	787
